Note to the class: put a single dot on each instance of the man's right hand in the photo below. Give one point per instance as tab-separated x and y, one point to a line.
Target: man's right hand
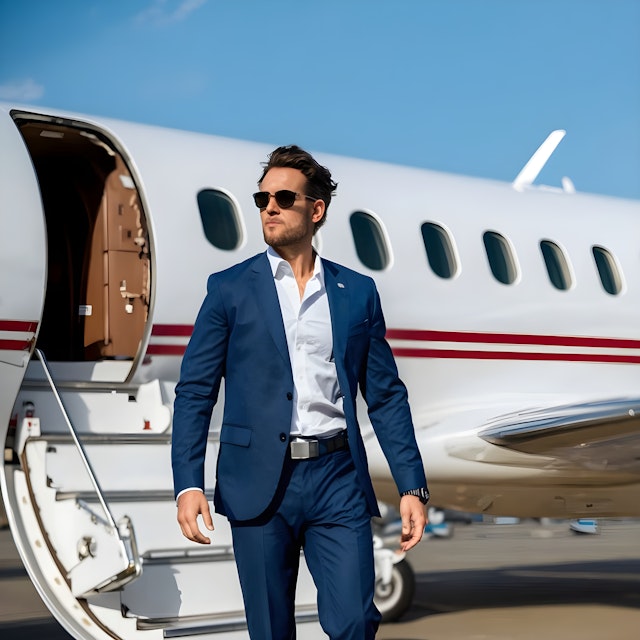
191	504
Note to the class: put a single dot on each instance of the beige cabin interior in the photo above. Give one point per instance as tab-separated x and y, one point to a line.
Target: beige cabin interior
98	263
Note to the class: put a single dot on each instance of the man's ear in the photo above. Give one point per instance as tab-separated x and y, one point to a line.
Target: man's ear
319	208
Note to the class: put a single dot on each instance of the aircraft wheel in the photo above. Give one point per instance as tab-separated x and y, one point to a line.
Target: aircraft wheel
396	597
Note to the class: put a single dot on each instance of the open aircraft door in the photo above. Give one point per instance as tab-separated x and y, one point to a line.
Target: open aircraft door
23	259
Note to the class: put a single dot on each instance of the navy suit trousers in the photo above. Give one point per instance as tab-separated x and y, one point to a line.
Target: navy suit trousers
319	507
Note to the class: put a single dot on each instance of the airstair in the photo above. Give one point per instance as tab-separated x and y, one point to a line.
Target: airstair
89	490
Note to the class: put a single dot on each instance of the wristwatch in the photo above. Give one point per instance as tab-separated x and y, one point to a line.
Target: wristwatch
422	493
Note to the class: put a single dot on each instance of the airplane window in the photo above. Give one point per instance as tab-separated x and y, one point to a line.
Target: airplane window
220	219
607	270
556	263
369	239
439	248
501	260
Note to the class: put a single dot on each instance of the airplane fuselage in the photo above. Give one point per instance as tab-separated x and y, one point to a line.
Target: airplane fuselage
500	304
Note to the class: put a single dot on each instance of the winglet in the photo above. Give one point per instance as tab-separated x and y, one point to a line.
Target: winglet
537	161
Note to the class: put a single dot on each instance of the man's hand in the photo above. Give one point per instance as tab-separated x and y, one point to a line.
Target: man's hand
414	520
190	505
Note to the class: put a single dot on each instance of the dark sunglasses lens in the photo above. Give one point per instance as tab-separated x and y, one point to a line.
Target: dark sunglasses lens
261	198
285	198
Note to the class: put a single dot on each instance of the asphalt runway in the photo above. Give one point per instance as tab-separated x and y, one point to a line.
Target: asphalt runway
520	581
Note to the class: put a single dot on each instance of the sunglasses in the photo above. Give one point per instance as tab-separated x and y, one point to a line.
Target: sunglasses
284	198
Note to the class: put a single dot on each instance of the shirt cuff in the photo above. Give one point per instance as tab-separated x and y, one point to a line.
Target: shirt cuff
188	489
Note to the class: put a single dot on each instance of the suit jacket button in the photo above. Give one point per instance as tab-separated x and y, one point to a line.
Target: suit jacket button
289	395
283	437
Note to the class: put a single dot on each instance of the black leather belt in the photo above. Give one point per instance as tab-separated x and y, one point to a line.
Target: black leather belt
301	448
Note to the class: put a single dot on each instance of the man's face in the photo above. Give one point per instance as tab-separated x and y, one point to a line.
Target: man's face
291	227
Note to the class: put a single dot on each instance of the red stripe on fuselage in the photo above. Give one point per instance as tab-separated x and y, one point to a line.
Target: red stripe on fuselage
166	349
510	338
15	345
402	352
24	326
17	326
172	330
462	337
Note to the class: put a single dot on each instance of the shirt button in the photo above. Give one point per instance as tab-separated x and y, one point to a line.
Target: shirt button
289	395
283	437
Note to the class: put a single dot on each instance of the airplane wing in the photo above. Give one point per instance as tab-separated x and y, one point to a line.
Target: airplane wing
603	435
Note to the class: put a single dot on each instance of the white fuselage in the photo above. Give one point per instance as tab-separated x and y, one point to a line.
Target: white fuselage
475	338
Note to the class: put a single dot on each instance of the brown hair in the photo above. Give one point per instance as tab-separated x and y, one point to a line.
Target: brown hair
319	182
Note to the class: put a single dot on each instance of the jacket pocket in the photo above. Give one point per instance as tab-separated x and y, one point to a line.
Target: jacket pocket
360	327
231	434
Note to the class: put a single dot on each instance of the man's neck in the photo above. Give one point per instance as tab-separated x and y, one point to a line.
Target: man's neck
302	262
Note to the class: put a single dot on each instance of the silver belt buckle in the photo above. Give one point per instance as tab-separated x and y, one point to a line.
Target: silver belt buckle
304	449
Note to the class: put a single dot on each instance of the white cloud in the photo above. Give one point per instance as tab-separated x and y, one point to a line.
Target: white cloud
21	90
163	12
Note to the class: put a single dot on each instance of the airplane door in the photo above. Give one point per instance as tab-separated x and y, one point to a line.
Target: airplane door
98	262
23	258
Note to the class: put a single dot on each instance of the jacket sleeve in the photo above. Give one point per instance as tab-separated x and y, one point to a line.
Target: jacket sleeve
388	406
202	369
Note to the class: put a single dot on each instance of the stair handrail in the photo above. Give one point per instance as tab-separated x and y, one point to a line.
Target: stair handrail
83	456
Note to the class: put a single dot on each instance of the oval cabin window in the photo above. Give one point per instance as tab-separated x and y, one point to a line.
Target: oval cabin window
607	270
220	219
501	260
439	248
369	238
557	265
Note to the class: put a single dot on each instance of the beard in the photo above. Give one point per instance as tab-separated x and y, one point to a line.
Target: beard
280	236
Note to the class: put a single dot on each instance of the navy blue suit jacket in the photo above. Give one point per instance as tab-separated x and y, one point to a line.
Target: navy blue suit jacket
239	335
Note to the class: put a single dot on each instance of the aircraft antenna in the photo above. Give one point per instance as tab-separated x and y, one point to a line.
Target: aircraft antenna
537	161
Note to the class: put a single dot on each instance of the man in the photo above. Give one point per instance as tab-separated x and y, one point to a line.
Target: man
294	336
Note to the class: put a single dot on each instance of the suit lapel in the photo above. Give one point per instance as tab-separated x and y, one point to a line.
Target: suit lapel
338	297
266	296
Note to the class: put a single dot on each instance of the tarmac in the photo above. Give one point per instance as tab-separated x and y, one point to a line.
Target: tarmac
522	581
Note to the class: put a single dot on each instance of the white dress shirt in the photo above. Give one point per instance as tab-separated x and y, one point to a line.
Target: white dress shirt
317	401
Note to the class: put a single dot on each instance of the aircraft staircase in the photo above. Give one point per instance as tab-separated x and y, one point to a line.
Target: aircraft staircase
91	487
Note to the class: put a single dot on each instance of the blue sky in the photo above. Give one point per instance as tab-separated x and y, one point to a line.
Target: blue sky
466	86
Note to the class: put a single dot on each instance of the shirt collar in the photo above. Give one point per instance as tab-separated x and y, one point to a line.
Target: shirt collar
280	267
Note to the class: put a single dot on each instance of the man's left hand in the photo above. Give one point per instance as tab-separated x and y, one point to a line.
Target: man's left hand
414	520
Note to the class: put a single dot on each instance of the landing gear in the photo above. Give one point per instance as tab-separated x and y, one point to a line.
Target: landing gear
394	597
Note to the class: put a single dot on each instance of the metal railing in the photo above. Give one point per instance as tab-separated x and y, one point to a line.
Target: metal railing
74	435
122	530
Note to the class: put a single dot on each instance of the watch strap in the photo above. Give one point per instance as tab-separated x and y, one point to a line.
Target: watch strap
422	493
